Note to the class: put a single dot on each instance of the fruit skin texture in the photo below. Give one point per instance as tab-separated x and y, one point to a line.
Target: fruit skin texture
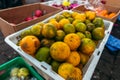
111	15
81	27
90	15
74	14
56	24
88	34
81	35
29	44
72	40
26	33
65	69
60	35
36	29
42	54
98	33
90	26
87	46
62	22
55	65
59	51
75	75
76	21
81	17
83	58
47	42
66	14
69	28
98	22
59	17
49	30
74	58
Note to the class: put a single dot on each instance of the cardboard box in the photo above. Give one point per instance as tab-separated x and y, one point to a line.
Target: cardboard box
107	7
114	3
17	15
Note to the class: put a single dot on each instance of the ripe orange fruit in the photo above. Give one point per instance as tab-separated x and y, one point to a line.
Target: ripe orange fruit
65	69
55	23
59	51
72	40
81	17
63	21
74	58
111	15
103	12
30	44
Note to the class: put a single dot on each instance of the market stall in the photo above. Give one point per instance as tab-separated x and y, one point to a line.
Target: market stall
50	42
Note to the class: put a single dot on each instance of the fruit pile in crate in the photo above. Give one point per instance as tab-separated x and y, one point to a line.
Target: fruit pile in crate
66	41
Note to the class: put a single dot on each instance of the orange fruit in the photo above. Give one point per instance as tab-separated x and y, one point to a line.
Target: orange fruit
75	75
49	30
55	23
98	33
90	15
87	46
74	58
81	17
60	35
74	14
58	17
111	15
76	21
65	69
72	40
83	58
30	44
52	19
103	12
62	22
80	27
107	16
69	28
59	51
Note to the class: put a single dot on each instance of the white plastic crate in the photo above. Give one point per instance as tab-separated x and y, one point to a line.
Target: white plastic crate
45	69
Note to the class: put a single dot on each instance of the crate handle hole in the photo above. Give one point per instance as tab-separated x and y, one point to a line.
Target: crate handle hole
44	67
98	53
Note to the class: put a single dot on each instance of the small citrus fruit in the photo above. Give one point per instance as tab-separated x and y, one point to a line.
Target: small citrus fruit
81	27
68	28
65	69
72	40
60	35
81	17
74	58
62	22
59	51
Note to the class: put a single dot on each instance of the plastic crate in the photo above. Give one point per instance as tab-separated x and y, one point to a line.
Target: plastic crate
45	70
16	62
